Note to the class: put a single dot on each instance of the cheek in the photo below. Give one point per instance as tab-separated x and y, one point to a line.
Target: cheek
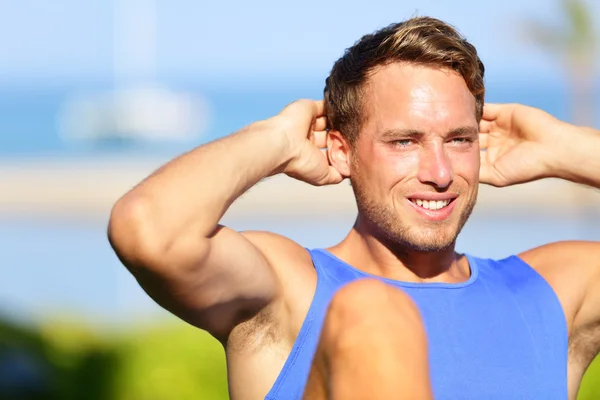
390	168
466	165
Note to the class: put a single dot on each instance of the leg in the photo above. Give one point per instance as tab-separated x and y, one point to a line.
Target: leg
372	346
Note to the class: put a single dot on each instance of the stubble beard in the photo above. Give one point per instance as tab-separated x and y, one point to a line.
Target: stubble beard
386	222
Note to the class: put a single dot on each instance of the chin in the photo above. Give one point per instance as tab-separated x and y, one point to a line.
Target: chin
429	241
431	247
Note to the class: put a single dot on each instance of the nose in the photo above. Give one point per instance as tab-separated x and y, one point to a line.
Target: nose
434	166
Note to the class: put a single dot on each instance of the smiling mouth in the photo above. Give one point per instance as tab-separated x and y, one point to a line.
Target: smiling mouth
432	204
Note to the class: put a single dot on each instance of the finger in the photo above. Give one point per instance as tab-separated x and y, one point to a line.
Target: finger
333	176
483	141
314	107
320	124
485	126
319	139
319	108
485	174
491	111
488	174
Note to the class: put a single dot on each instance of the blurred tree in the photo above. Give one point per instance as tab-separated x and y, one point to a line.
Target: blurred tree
71	361
575	43
590	386
23	372
171	361
55	361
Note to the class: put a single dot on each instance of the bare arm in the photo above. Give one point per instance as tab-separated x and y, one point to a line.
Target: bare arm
521	144
166	229
578	155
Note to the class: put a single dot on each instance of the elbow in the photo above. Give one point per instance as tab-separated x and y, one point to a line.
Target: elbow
130	232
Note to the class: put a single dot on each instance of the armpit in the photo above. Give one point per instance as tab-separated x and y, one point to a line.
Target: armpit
254	332
584	344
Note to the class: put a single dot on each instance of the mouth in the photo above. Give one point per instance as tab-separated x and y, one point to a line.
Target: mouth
433	205
433	210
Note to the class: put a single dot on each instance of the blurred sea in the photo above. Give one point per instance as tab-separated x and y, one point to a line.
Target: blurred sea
59	267
29	115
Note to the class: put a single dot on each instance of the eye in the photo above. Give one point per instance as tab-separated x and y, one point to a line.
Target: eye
403	142
461	140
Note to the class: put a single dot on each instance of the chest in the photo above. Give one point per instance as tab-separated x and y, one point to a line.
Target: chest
489	343
501	335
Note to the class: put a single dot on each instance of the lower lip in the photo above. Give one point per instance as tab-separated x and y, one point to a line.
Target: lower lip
434	215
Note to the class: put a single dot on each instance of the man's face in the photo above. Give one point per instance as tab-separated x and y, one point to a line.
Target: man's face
415	164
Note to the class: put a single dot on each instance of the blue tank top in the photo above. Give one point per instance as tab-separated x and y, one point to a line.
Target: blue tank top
502	334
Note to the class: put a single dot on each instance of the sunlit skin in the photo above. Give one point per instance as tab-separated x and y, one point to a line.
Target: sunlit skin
419	141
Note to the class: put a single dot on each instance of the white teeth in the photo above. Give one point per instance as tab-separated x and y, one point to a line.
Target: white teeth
431	204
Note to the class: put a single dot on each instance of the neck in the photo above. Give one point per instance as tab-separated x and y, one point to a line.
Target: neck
379	256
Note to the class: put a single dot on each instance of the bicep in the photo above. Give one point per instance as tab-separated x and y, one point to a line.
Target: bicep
212	283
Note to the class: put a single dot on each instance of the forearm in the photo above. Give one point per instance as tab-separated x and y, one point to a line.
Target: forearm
191	193
578	156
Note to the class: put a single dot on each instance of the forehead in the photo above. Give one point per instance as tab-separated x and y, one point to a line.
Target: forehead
416	96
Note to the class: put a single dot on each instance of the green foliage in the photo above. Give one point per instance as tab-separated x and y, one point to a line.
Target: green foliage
590	386
177	362
575	39
574	42
71	361
580	23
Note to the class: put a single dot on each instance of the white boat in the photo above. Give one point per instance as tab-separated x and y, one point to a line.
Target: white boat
138	108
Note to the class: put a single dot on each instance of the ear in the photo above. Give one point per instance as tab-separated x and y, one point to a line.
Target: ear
339	152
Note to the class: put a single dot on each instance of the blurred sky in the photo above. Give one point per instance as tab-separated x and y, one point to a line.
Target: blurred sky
51	42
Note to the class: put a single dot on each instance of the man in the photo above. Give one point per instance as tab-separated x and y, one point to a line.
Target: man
401	120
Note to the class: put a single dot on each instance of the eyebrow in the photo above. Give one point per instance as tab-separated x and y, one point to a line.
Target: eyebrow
415	133
464	131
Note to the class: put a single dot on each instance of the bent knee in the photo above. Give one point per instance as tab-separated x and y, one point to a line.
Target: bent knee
370	300
367	293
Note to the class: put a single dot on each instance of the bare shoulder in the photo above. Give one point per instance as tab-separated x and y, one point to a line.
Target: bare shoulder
584	255
567	265
296	276
572	268
279	251
270	240
291	262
